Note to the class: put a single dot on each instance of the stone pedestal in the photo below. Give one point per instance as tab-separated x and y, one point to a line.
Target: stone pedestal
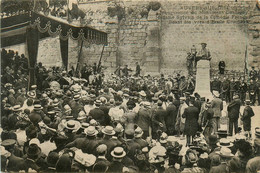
203	79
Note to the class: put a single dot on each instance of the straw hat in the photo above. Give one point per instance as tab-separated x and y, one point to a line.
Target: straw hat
118	152
223	142
91	131
225	152
108	130
72	125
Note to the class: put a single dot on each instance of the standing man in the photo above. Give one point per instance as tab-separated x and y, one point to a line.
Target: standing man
189	63
243	90
253	73
233	114
221	66
217	107
225	89
252	89
137	69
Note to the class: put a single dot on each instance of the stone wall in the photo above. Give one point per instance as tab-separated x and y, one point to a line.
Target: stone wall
159	38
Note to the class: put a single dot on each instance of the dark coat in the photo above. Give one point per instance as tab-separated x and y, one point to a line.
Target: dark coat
191	114
159	117
144	119
15	164
171	115
233	109
246	118
132	146
101	165
222	168
116	166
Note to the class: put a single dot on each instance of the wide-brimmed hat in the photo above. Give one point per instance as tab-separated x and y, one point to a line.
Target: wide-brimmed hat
84	125
223	142
108	130
118	152
76	97
16	108
31	94
138	132
8	142
55	102
225	152
33	87
142	93
33	150
67	108
72	125
37	107
91	131
247	102
236	96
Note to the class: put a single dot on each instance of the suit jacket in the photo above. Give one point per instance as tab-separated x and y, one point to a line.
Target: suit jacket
222	168
170	118
233	109
159	117
116	166
15	164
132	146
144	119
217	106
191	114
101	165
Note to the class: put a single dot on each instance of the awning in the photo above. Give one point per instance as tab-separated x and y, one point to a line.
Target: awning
13	29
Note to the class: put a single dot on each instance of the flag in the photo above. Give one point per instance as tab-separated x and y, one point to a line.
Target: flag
246	63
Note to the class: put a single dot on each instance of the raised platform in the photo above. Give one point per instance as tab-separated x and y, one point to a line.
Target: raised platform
203	79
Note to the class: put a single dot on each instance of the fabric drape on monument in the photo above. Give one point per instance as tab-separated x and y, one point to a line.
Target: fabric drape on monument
64	47
32	40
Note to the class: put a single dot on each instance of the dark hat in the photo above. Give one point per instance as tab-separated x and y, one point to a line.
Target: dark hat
8	142
203	43
213	139
33	150
52	158
257	132
35	117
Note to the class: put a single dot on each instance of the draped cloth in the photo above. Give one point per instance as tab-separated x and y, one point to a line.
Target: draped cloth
32	41
64	47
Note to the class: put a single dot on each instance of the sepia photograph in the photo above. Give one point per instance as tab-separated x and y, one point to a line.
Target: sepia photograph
158	86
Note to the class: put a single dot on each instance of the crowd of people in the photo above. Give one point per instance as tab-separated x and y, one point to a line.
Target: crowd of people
73	121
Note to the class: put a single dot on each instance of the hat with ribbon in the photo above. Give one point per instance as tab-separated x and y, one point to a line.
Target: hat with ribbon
223	142
91	131
118	152
225	152
16	108
72	125
108	130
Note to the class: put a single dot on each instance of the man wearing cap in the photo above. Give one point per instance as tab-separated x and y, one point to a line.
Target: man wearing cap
253	165
101	164
108	132
75	105
226	156
87	144
159	120
221	66
116	165
171	116
233	114
215	84
144	120
246	118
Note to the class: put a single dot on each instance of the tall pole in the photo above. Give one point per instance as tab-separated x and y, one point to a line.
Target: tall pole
79	56
99	63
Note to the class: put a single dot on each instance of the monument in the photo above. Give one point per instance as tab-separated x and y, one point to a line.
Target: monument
202	86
